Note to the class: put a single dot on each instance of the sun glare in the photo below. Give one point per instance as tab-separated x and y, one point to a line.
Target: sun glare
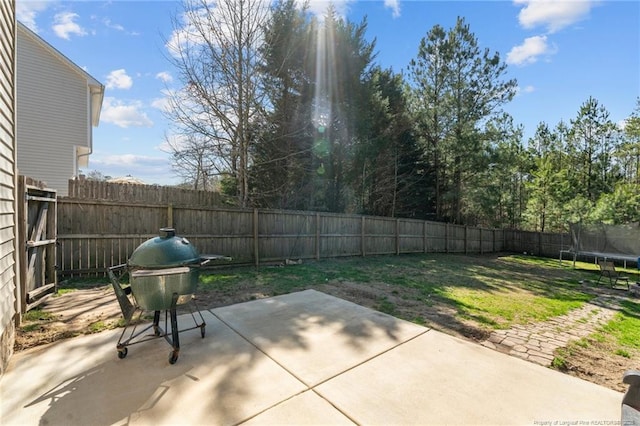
324	78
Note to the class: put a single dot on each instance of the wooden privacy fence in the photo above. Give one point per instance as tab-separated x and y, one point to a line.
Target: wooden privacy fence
536	243
88	189
94	235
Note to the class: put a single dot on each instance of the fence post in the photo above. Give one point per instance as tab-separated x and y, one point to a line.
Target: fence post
504	239
493	242
362	236
424	236
170	215
539	244
466	237
397	236
256	236
317	236
446	237
481	252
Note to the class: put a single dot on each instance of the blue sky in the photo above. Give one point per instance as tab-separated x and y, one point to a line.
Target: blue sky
561	53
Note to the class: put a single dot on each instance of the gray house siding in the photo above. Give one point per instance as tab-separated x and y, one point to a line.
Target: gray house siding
54	112
8	269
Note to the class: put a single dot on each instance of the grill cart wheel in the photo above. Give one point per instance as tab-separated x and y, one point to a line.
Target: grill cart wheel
122	353
173	357
202	330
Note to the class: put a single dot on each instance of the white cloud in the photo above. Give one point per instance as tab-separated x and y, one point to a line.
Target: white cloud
552	14
161	103
529	51
149	169
622	124
394	5
64	25
164	76
204	23
107	22
26	12
124	115
164	103
129	160
118	79
523	90
112	25
173	142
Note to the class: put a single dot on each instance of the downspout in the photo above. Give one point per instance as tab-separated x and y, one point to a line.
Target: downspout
79	156
99	93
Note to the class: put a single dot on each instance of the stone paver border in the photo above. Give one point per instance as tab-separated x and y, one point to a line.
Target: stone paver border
537	342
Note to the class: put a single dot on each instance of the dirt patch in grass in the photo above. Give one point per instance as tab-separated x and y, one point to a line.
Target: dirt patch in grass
70	314
394	289
604	355
408	304
597	362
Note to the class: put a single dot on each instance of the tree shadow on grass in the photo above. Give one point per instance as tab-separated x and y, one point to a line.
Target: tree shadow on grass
630	309
436	278
466	282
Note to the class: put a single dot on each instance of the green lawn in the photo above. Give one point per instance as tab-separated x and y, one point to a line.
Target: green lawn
625	326
464	294
489	291
494	291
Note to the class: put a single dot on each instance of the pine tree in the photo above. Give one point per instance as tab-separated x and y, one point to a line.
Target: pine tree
282	156
457	87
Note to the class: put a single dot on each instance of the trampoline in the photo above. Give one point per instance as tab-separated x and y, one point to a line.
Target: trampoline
608	242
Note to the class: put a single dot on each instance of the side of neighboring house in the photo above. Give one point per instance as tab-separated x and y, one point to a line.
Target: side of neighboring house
58	104
8	175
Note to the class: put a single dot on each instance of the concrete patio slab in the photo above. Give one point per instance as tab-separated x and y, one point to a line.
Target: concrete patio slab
439	379
315	336
302	358
221	379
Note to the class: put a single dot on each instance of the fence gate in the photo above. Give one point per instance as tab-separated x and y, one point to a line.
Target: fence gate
37	223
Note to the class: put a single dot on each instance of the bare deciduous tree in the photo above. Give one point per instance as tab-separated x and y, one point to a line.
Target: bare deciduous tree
215	47
194	162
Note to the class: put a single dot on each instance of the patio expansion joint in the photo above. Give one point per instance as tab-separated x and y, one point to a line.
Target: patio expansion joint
313	388
309	387
371	358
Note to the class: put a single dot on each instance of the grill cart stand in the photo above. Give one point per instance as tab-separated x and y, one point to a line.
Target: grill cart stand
137	333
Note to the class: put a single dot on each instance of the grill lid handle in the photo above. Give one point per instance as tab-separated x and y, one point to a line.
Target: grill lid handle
167	232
